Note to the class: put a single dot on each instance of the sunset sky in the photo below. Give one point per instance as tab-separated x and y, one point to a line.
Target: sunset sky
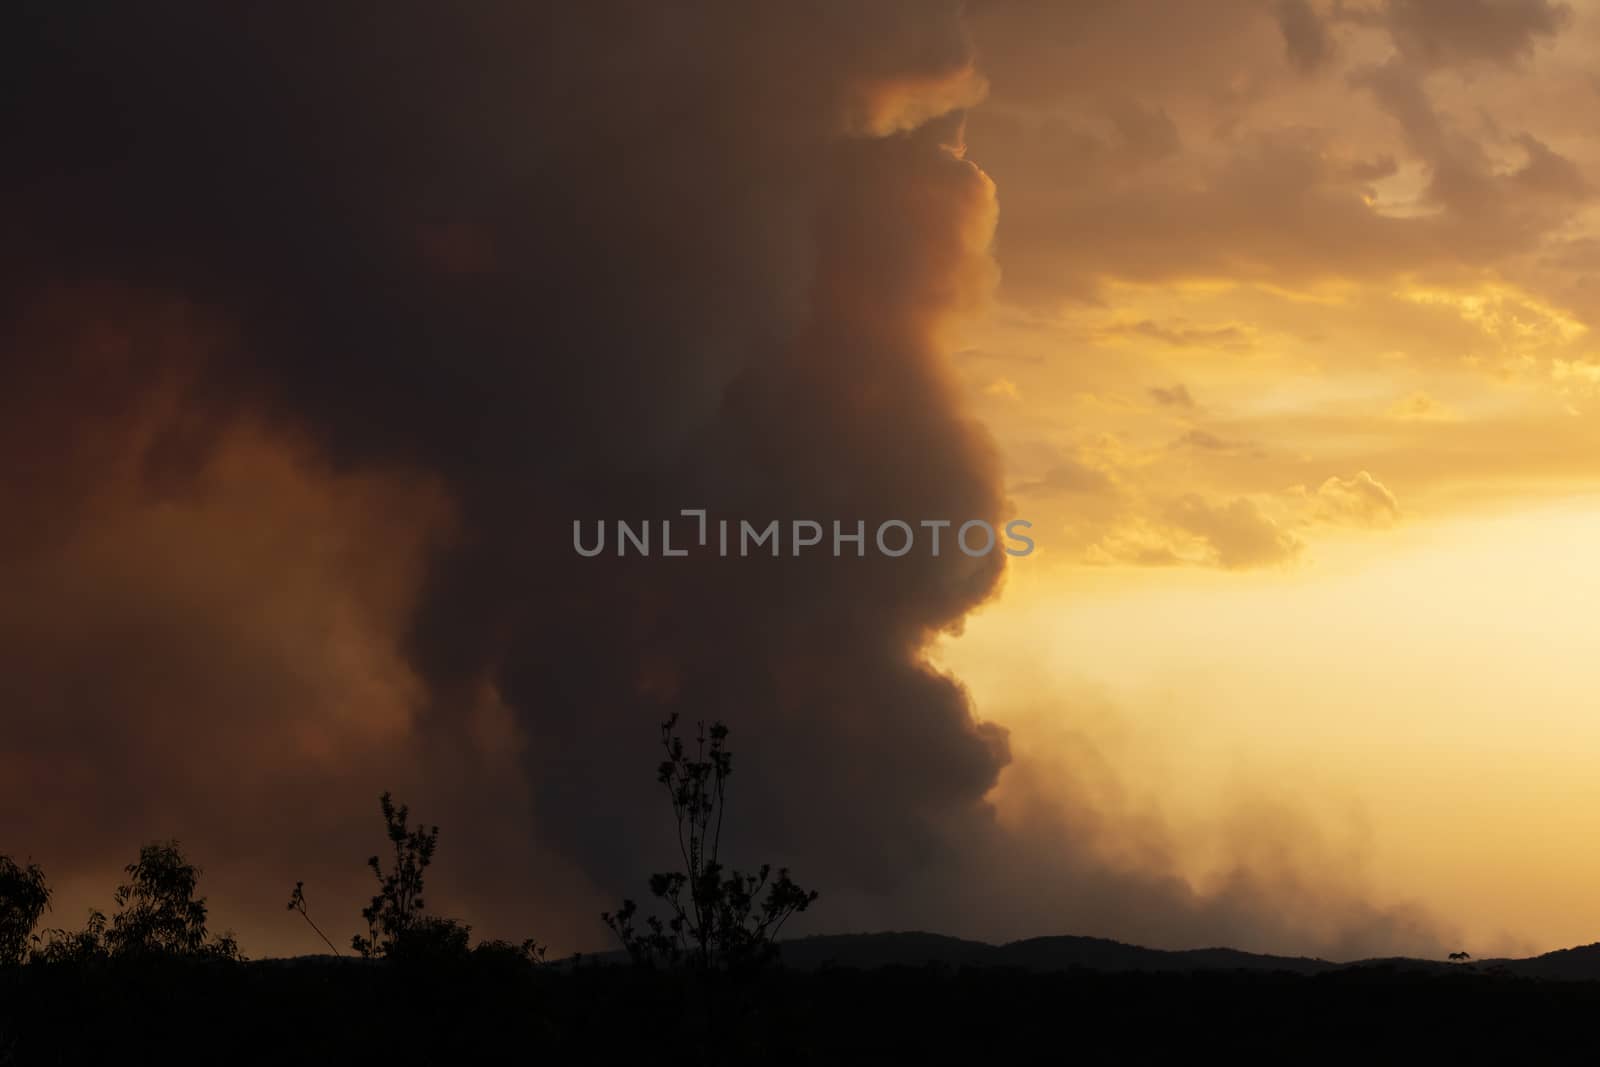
1291	355
1274	318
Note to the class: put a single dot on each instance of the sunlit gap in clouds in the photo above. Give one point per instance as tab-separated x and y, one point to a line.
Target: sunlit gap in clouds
1405	716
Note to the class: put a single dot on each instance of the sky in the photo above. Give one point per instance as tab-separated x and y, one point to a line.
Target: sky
1273	318
1291	356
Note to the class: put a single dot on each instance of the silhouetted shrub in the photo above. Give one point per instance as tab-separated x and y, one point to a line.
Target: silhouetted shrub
75	946
24	896
158	912
497	952
715	919
398	903
397	929
430	939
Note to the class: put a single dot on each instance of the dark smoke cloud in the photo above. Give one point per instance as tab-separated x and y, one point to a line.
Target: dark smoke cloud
323	326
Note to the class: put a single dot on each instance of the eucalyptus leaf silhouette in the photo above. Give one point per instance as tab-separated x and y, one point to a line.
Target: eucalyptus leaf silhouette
24	898
75	946
157	913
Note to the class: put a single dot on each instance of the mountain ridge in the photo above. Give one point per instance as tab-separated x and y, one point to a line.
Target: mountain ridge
1066	952
1062	952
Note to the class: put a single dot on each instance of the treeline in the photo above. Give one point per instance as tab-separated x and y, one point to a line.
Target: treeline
150	983
705	916
157	914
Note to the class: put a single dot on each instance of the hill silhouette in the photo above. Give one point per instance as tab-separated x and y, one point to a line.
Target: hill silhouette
1065	952
1580	963
881	998
918	948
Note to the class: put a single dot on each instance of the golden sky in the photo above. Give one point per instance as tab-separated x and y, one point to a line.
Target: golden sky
1292	365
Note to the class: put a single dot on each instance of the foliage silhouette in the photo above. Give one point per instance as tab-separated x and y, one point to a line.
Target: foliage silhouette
431	939
75	946
716	920
398	904
24	898
157	915
397	929
158	912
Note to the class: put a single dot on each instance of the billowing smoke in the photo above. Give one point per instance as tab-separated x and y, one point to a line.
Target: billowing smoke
324	325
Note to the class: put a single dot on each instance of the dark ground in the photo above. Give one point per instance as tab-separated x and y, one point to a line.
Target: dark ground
321	1010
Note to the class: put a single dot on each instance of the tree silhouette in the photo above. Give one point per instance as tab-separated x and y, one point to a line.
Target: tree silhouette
398	904
715	919
158	912
397	929
76	946
24	897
